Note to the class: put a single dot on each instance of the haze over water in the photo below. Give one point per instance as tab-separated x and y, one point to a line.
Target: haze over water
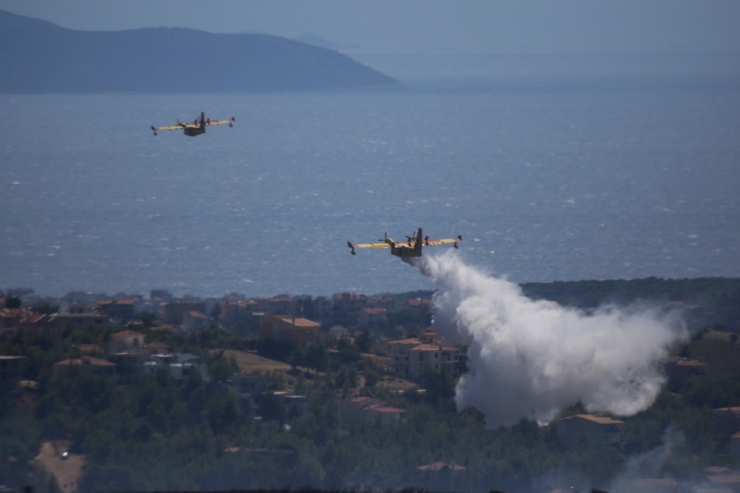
583	180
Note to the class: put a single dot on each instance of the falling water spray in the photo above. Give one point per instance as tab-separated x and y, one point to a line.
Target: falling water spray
531	359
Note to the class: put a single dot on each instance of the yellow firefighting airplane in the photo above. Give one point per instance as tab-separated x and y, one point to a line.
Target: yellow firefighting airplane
409	248
197	127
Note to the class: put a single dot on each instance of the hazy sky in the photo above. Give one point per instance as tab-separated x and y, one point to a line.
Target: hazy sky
643	26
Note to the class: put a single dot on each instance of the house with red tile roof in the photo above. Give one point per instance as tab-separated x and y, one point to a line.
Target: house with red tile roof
118	309
159	348
36	324
84	320
409	356
125	340
359	408
10	319
291	330
735	445
680	370
194	321
436	356
350	410
87	364
174	311
278	306
726	419
418	306
386	414
441	475
368	316
90	348
728	480
441	466
234	309
596	429
350	302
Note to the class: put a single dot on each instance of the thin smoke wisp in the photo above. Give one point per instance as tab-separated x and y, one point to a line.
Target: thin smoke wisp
530	359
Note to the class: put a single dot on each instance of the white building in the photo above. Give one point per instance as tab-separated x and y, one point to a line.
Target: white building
178	365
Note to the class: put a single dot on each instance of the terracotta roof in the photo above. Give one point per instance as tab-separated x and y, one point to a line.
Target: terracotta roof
363	402
602	420
90	348
406	342
418	302
432	347
298	322
690	363
730	409
374	311
159	345
84	362
385	410
197	315
724	478
127	333
716	469
441	466
12	312
126	302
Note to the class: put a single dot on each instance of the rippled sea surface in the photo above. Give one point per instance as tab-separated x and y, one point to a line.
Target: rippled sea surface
543	183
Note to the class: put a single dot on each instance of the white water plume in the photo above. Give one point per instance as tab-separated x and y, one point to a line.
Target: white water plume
531	359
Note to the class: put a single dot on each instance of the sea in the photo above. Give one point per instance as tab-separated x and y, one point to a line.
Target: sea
551	175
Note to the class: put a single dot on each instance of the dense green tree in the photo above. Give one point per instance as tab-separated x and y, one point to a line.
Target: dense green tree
13	302
364	341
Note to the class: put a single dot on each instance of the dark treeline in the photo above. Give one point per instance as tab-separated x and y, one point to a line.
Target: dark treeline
709	302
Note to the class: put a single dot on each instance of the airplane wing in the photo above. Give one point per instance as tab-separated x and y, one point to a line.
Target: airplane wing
352	246
443	241
170	127
221	122
369	245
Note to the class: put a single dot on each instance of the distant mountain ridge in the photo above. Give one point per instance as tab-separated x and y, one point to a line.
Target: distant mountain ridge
38	56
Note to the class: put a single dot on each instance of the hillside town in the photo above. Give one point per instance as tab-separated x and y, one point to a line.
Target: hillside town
349	364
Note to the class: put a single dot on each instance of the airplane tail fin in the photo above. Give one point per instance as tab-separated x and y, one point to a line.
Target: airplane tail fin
417	245
202	119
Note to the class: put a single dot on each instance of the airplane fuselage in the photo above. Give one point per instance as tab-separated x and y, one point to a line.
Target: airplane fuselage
194	131
404	250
